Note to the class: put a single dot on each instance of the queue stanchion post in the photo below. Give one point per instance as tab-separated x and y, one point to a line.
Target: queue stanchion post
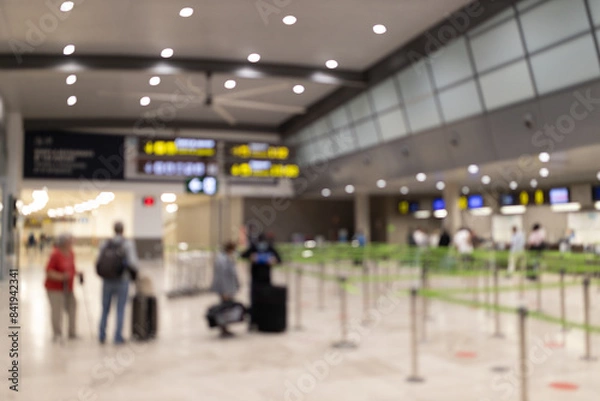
344	342
539	289
322	286
298	298
563	307
524	372
497	319
586	317
488	271
414	341
366	293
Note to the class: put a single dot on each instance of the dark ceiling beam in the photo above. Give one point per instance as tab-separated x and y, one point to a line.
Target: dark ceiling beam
139	126
452	27
158	65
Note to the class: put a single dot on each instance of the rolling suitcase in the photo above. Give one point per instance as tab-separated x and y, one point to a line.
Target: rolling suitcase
270	309
145	317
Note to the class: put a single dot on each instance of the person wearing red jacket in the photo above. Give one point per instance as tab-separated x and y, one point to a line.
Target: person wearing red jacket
60	275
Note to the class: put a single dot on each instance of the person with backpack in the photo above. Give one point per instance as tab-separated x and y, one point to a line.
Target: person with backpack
117	264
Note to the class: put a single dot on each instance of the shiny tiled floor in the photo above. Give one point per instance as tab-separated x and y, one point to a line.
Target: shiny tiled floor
458	358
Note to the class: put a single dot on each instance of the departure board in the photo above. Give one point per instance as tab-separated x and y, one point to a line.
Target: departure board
259	160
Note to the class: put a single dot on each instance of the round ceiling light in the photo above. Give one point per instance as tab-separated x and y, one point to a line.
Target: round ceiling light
332	64
379	29
154	81
381	184
230	84
145	101
68	50
186	12
167	53
254	58
72	100
486	180
440	185
71	79
349	189
544	172
465	190
421	177
326	192
513	185
404	190
290	20
533	183
299	89
67	6
544	157
473	169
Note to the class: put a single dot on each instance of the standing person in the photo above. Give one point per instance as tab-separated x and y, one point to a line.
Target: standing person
225	280
60	274
262	255
536	243
463	241
445	239
517	250
117	264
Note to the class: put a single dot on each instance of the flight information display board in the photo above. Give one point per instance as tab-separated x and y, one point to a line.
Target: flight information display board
259	160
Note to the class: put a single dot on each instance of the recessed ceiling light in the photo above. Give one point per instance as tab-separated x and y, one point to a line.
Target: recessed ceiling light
167	53
379	29
68	50
533	183
598	176
154	81
421	177
72	100
381	184
544	157
544	172
404	190
513	185
440	185
326	192
485	180
465	190
67	6
298	89
332	64
230	84
186	12
289	20
350	189
71	79
473	169
254	58
145	101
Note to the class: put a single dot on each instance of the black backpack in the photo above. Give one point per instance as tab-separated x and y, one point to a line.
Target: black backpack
111	263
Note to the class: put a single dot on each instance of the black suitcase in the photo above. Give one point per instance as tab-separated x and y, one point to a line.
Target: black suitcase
225	313
145	317
270	309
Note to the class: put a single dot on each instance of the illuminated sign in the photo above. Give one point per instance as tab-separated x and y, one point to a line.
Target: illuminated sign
264	169
524	198
539	197
438	204
178	147
148	201
463	203
177	168
475	202
406	207
201	185
256	150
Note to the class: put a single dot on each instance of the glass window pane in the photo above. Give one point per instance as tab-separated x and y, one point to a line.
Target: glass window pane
344	141
460	102
507	85
423	115
385	95
392	125
555	69
305	134
366	133
414	82
509	12
360	107
323	149
339	117
320	127
523	5
451	64
553	21
497	46
595	10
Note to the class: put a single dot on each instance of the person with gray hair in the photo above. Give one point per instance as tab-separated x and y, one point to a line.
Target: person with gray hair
60	275
117	264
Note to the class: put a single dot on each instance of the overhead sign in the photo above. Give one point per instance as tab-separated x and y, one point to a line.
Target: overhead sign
177	168
263	169
69	155
257	150
170	147
201	185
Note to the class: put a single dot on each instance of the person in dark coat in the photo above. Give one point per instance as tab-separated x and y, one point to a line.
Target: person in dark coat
225	280
262	256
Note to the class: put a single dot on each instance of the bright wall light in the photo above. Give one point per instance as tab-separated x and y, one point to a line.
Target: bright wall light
168	198
422	214
515	209
566	207
172	208
440	214
482	211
